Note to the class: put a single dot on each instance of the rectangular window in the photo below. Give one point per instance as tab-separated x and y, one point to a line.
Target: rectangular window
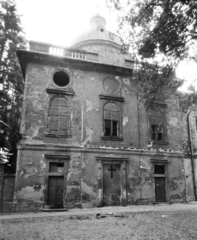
56	167
157	128
157	132
59	117
111	119
159	169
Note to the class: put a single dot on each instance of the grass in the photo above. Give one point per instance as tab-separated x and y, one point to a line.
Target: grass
179	225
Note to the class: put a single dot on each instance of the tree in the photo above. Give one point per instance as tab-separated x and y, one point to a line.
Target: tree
11	81
168	26
153	82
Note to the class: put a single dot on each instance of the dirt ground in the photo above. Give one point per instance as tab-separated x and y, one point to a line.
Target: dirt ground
170	225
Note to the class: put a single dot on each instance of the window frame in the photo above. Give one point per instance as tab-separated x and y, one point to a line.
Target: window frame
158	118
60	116
111	120
54	85
118	101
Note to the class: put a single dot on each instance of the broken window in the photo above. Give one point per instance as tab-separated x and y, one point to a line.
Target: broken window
111	120
59	116
56	167
157	128
157	132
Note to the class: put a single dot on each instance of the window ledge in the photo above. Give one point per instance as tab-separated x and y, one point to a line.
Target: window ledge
159	175
113	98
60	91
112	138
160	143
57	135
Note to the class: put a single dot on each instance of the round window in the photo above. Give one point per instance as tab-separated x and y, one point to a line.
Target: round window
61	79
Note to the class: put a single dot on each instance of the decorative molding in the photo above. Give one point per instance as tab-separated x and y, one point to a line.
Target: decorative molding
108	138
59	91
57	135
156	161
129	63
113	98
160	142
110	158
43	58
59	156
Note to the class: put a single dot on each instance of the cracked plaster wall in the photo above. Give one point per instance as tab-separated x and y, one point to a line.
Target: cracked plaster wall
85	107
107	54
86	117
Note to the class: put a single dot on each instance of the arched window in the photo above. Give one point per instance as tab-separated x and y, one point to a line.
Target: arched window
111	120
59	116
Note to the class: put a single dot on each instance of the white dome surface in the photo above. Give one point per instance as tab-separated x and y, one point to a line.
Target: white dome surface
97	32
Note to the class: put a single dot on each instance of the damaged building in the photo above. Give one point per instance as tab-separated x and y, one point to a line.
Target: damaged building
85	137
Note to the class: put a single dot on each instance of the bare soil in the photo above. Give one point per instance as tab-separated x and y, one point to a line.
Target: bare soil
174	225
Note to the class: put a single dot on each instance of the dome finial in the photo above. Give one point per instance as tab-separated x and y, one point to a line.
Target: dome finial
98	22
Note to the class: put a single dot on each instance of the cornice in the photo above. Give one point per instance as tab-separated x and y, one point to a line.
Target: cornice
59	91
113	98
59	156
26	56
98	150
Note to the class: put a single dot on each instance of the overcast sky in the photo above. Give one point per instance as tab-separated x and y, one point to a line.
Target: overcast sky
60	21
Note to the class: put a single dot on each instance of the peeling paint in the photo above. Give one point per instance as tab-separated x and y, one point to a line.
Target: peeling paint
29	193
125	120
89	133
88	105
88	189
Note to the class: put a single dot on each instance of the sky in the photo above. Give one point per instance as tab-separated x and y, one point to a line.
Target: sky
60	22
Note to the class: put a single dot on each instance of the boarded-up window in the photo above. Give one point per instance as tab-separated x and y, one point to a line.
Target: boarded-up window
59	116
111	120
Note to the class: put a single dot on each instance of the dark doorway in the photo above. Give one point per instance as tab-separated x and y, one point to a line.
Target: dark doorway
111	184
55	191
160	189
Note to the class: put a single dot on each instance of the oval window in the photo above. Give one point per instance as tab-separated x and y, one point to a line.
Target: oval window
61	79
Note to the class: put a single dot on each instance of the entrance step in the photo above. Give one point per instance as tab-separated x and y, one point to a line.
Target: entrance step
54	209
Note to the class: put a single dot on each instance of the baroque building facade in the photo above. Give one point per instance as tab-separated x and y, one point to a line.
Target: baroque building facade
86	138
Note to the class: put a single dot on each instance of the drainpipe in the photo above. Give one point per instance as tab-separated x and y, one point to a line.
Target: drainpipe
191	153
138	118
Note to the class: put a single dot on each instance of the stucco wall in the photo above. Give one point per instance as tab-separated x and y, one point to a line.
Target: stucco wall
85	106
107	54
89	88
82	176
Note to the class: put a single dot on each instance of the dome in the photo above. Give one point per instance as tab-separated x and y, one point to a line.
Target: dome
97	34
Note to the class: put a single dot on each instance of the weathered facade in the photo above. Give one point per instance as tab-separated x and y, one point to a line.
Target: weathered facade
85	135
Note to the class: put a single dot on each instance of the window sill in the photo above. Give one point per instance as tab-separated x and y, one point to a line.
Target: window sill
56	135
112	138
160	143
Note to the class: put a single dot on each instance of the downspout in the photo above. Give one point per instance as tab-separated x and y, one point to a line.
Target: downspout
138	118
191	154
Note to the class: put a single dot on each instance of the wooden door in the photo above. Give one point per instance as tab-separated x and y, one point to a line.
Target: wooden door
55	191
111	184
160	189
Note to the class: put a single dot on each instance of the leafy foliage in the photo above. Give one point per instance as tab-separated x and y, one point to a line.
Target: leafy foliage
187	100
152	81
11	81
157	25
